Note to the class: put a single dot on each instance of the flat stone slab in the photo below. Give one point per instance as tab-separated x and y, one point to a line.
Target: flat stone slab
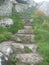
29	58
16	38
16	46
22	39
26	37
6	22
28	27
25	31
22	46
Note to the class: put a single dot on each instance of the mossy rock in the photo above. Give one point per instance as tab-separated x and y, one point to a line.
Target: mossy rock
1	2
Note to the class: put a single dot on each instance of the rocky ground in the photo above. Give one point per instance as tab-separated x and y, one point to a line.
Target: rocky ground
24	46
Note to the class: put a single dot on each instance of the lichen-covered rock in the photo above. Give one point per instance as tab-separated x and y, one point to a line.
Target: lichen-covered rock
5	52
6	8
21	7
6	49
6	22
30	58
3	59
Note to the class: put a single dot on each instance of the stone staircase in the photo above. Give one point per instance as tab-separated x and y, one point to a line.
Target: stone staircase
26	50
23	45
25	35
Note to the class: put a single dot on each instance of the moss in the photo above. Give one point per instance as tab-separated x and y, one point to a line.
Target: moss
27	49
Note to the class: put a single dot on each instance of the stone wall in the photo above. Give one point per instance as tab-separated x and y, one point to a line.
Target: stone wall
6	8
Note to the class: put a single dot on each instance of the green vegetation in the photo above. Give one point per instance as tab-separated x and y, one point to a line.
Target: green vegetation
5	36
18	24
27	50
41	30
13	60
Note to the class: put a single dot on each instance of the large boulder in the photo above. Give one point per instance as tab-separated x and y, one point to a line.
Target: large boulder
21	7
3	60
31	58
6	49
6	8
6	22
5	52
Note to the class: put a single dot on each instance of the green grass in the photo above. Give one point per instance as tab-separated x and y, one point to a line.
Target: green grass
13	60
26	49
28	64
5	36
41	30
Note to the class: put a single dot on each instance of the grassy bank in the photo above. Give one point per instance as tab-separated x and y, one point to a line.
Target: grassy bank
41	30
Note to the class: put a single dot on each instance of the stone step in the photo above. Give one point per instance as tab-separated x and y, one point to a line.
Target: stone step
16	39
19	39
24	48
28	23
28	27
29	58
22	40
18	47
25	31
26	37
21	31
